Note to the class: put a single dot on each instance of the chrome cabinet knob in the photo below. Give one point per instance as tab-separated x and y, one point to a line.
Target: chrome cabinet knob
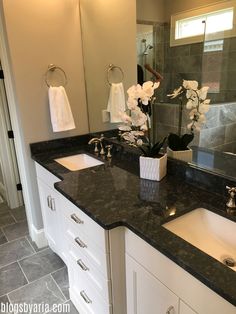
82	265
80	242
76	219
85	297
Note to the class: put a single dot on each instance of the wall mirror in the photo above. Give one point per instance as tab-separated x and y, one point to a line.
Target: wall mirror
171	37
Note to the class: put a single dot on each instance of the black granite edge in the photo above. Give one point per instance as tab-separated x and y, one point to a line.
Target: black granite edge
202	256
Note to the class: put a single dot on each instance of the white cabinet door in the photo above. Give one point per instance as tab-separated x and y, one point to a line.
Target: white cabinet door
185	309
49	207
145	293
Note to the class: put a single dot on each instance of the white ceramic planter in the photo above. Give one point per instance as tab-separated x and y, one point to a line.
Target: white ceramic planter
184	155
153	168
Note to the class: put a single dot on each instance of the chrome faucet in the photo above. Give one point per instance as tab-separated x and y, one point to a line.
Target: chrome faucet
97	141
231	202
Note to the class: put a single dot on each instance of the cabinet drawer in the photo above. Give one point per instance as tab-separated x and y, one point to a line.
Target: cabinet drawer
47	177
84	296
83	223
83	265
88	247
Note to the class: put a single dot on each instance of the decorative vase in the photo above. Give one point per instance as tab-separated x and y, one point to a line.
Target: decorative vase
153	168
184	155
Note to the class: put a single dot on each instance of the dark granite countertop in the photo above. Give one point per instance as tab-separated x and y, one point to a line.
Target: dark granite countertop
113	195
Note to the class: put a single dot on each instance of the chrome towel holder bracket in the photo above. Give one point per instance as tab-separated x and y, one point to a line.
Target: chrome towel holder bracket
111	67
51	68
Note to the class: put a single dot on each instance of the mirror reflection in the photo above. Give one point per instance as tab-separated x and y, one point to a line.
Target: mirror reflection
181	40
186	48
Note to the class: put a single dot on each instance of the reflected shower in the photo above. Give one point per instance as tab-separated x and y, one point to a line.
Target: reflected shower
146	49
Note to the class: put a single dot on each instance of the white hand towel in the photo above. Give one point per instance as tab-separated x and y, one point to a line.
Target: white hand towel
61	115
116	102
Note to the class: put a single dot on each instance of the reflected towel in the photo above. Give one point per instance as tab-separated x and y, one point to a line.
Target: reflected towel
116	102
61	115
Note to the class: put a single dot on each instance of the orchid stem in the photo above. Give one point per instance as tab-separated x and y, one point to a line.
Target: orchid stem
180	117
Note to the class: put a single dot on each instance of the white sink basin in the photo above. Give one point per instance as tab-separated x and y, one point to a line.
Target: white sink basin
211	233
78	162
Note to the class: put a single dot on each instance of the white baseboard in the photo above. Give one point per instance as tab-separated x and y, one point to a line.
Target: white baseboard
38	236
2	190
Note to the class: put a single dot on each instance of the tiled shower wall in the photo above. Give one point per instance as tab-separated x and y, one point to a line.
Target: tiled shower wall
218	133
216	69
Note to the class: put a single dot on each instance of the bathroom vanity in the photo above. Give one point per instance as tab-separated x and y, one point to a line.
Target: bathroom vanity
106	224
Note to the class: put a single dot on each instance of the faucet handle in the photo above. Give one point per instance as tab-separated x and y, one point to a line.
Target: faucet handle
231	189
232	192
109	147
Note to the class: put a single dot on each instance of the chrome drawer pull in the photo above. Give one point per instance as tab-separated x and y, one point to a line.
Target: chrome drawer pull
53	206
82	265
76	219
170	310
81	243
85	297
49	199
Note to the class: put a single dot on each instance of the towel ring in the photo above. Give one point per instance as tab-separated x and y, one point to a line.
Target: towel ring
112	67
52	68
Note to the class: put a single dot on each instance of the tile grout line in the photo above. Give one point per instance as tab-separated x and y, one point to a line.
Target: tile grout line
30	244
53	272
7	225
24	286
19	260
30	282
5	237
13	217
23	272
24	236
58	286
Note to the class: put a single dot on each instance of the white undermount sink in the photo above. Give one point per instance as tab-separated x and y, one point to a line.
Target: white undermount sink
78	162
211	233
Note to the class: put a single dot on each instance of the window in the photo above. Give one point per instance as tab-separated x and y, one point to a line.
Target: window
191	26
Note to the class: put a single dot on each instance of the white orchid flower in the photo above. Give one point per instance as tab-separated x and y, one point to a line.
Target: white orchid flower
132	103
144	127
125	118
190	84
137	133
204	108
139	142
201	119
202	93
175	93
148	88
144	98
134	91
124	127
193	113
156	85
129	137
192	103
138	118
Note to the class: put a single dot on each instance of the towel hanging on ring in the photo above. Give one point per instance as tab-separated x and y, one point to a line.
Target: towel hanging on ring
116	102
60	110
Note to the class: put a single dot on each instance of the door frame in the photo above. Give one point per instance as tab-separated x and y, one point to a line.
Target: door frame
16	126
8	156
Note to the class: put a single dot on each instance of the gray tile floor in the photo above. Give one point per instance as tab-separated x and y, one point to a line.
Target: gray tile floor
29	274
